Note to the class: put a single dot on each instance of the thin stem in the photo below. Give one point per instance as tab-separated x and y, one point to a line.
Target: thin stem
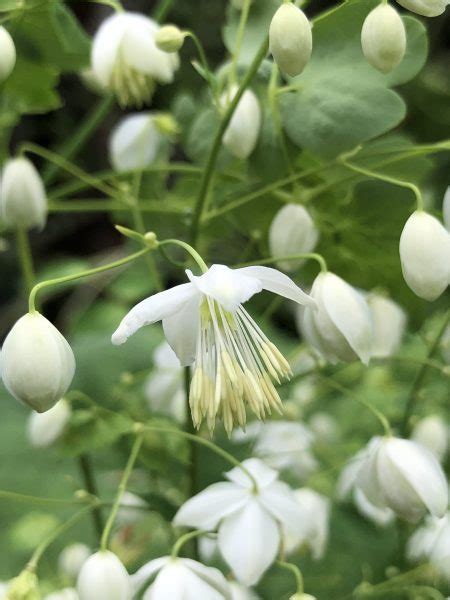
305	255
195	255
273	103
25	258
185	538
87	472
16	497
239	39
87	273
162	10
95	205
205	64
420	377
208	173
191	431
297	574
122	488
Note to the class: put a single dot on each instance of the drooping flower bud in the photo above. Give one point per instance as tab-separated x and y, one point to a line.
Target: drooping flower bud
383	38
425	255
37	363
292	231
290	39
433	433
72	558
446	209
135	142
7	54
44	429
242	133
170	39
103	577
24	587
23	200
126	60
426	8
389	322
341	326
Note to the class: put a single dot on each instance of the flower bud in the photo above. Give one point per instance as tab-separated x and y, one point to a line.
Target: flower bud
135	142
426	8
433	433
290	39
340	328
103	577
425	255
7	54
446	209
23	202
24	587
383	38
132	509
389	322
37	363
169	38
292	231
302	597
44	429
72	558
242	133
65	594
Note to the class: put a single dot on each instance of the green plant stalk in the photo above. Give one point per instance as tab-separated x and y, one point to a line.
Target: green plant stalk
25	258
305	255
87	472
95	205
239	39
183	539
162	10
296	572
205	65
189	249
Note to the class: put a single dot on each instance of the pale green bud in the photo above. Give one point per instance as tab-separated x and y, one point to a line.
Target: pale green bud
383	38
302	597
166	124
7	54
427	8
290	39
24	587
170	39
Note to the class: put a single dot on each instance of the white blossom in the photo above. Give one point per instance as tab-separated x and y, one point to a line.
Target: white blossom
421	543
389	323
427	8
290	39
242	133
65	594
135	142
433	433
240	592
7	54
205	323
72	558
164	387
315	509
37	363
250	522
132	510
44	429
103	577
383	38
324	427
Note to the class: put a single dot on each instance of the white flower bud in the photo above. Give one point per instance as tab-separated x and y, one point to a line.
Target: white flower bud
72	558
125	58
389	322
7	54
426	8
405	477
242	133
425	255
134	142
170	39
446	209
433	433
340	328
103	577
383	38
292	231
290	39
132	510
37	363
44	429
23	200
65	594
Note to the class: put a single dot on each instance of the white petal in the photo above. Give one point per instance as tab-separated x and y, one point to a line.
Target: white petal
249	541
181	331
169	583
278	283
380	515
213	577
242	133
147	571
106	45
263	474
279	500
389	322
206	509
134	142
157	307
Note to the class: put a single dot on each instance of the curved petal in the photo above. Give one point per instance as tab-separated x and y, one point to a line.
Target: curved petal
169	584
157	307
146	572
263	474
213	577
181	331
278	283
249	541
206	509
279	500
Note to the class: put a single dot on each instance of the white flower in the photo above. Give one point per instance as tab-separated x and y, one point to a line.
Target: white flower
23	200
421	543
65	594
164	387
291	232
383	38
341	327
425	255
243	130
404	476
45	429
290	39
389	323
7	54
103	577
440	553
132	510
315	510
427	8
446	208
134	143
125	58
250	522
433	433
324	427
180	578
204	322
37	363
3	589
72	558
240	592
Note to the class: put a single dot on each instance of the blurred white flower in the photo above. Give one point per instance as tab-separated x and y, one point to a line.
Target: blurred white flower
234	361
250	521
324	427
72	558
131	509
125	58
433	433
427	8
240	592
383	38
135	142
65	594
421	543
164	387
7	54
290	39
243	130
103	577
389	323
315	510
291	232
44	429
180	578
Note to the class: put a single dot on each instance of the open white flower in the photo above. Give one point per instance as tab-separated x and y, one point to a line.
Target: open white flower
389	322
204	322
125	58
44	429
180	578
164	387
250	522
243	130
433	433
427	8
315	518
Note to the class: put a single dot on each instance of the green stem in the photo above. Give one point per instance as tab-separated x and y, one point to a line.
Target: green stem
418	381
162	10
273	103
122	488
195	255
305	255
87	273
190	429
95	205
183	539
239	39
297	574
208	173
87	472
205	64
25	258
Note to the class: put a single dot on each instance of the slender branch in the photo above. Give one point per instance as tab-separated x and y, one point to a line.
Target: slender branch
95	205
239	39
162	10
91	487
25	258
185	538
305	255
297	574
195	255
